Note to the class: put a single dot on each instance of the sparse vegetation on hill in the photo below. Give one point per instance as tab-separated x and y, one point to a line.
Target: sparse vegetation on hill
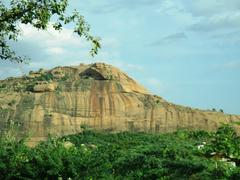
98	155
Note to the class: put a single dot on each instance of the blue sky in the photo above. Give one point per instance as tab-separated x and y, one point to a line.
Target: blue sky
183	50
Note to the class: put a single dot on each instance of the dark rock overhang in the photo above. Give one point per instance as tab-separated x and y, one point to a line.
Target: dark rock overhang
92	74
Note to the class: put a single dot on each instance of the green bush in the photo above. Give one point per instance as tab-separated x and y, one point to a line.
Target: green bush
2	86
96	155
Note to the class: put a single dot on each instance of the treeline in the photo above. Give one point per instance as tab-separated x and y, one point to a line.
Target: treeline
98	155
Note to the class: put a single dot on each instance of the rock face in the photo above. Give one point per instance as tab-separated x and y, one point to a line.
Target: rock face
44	86
98	95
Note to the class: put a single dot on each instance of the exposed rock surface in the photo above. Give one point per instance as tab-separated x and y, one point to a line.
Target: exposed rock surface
60	100
44	86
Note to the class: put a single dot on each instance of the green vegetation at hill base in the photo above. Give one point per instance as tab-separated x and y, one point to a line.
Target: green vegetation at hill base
100	155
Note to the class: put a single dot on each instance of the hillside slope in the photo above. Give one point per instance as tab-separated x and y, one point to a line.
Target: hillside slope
60	100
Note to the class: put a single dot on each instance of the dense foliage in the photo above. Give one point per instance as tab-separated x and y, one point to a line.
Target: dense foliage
41	14
98	155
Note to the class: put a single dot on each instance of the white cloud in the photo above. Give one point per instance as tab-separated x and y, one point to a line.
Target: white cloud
208	8
55	50
52	39
203	15
226	20
177	10
52	48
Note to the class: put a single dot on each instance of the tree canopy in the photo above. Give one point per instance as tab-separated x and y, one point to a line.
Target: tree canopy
183	154
41	14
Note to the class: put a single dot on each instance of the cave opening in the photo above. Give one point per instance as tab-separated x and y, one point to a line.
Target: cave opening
92	74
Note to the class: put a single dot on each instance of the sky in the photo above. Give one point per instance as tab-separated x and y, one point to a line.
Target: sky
182	50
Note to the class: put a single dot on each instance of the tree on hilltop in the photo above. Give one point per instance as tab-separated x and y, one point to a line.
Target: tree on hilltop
39	14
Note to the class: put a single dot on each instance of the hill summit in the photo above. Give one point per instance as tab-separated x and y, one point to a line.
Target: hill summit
60	100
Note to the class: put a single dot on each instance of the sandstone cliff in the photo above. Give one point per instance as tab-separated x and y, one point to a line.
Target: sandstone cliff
60	100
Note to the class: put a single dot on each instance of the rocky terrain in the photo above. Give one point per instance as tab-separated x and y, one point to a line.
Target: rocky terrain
60	100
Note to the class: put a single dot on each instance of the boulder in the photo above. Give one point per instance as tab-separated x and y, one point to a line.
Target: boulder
44	86
57	73
33	75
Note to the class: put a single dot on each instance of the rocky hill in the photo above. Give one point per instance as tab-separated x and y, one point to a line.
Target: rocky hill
60	100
